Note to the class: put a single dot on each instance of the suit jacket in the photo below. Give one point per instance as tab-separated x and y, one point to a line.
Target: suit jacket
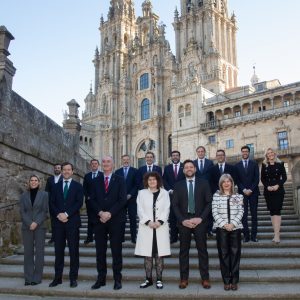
203	199
130	181
88	184
51	183
113	201
34	213
215	175
208	164
143	170
71	205
249	179
169	177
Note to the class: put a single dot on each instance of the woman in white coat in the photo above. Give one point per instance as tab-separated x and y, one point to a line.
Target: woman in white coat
153	206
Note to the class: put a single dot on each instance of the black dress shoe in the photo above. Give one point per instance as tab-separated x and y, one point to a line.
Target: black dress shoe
255	240
27	283
173	241
133	241
246	240
98	284
87	241
35	283
55	282
73	283
117	285
51	241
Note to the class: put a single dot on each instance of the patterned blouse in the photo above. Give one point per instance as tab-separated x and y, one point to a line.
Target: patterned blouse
227	210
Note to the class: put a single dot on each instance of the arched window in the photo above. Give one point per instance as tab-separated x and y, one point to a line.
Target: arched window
90	142
170	144
144	81
80	139
188	110
181	112
145	109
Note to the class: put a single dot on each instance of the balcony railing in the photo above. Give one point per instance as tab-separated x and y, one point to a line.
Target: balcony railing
266	114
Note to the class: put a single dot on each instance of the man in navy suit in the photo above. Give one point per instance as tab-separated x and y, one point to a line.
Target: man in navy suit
51	181
65	203
108	202
220	168
172	174
149	167
202	164
247	181
87	190
130	175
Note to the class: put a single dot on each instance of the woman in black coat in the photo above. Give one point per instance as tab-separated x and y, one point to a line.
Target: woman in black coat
273	176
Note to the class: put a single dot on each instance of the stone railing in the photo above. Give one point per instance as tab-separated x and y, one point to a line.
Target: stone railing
215	124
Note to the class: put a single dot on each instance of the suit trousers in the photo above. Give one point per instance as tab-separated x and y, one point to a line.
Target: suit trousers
229	249
34	243
114	231
185	235
71	234
89	211
251	202
173	223
132	213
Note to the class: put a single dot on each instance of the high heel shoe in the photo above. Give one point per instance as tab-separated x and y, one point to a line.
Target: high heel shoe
146	283
159	284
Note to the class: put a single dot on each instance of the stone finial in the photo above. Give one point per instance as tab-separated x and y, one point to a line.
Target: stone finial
72	123
5	38
176	14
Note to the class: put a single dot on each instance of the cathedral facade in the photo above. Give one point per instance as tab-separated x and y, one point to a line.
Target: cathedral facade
148	99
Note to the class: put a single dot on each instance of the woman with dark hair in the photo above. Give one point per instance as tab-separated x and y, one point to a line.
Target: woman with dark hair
34	210
153	242
227	210
273	176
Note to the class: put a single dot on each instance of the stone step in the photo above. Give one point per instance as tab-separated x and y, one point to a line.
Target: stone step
257	290
263	263
275	252
169	275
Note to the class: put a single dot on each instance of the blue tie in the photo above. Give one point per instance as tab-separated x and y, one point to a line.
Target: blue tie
191	199
201	166
125	172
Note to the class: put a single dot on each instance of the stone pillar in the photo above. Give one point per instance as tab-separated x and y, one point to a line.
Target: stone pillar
7	70
72	123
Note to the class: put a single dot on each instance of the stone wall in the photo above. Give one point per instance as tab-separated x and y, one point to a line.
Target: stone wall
30	143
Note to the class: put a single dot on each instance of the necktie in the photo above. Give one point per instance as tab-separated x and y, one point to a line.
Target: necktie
221	169
106	184
149	169
66	189
191	198
246	165
175	171
201	166
94	175
125	172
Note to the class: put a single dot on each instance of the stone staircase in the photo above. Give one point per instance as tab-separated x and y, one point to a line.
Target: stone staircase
268	271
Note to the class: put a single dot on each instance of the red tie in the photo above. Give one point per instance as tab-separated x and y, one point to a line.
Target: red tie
106	184
175	171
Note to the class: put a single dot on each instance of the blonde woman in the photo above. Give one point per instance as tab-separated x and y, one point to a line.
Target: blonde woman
34	210
227	210
273	177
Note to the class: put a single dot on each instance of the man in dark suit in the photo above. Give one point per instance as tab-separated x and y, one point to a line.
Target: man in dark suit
220	168
247	171
108	202
87	190
65	203
172	174
192	205
149	167
130	175
51	181
202	164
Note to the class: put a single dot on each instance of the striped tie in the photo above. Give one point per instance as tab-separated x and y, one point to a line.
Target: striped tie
106	184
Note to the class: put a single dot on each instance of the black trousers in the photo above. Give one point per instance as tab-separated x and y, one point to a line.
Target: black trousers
251	202
173	224
132	213
71	234
52	221
185	236
90	230
229	249
113	231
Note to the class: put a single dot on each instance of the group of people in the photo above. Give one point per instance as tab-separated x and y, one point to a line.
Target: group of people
195	198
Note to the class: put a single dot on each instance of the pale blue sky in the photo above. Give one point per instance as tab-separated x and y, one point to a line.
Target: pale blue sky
55	42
